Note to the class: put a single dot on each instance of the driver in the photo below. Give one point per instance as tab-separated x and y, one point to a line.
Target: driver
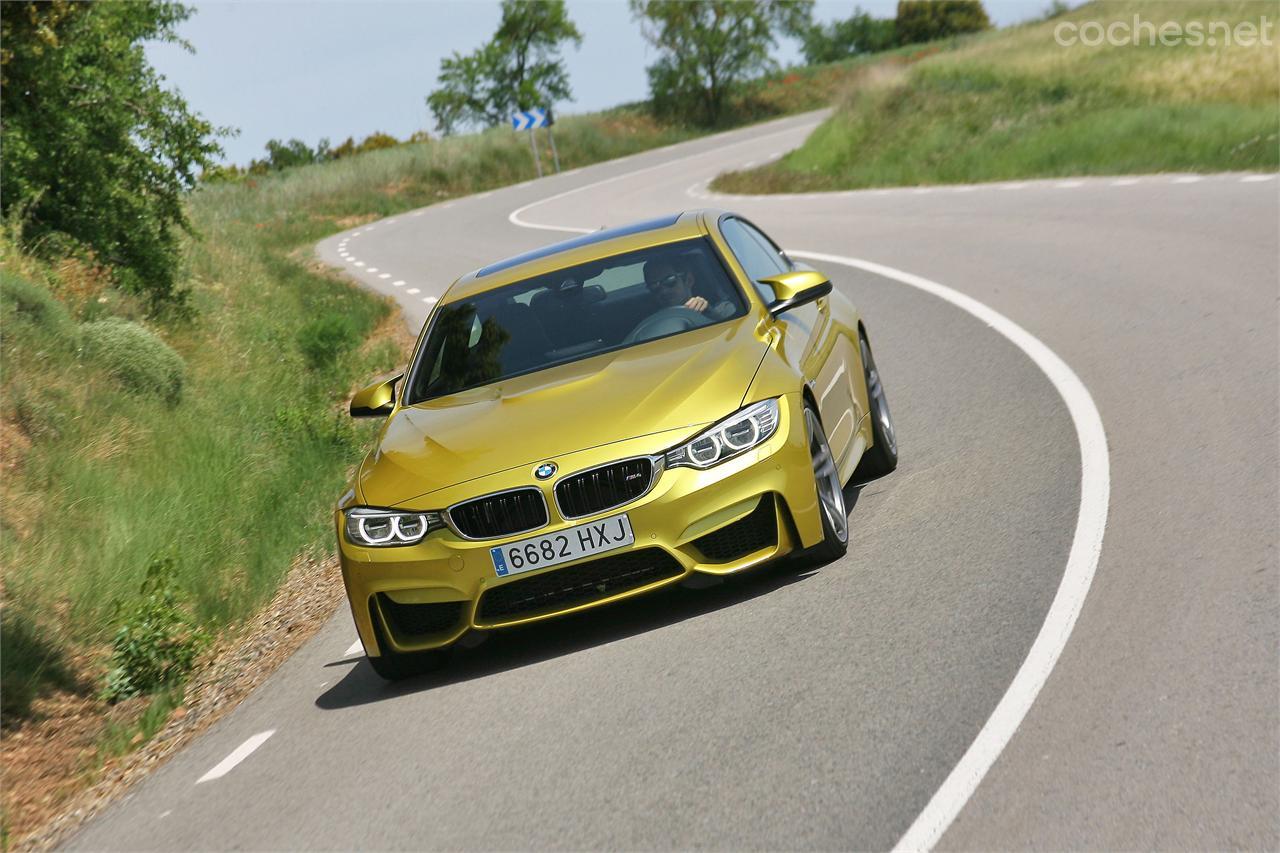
672	286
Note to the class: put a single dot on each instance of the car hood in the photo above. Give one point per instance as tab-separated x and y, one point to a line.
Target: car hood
683	381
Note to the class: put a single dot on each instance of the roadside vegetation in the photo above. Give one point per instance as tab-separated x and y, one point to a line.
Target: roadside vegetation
1014	104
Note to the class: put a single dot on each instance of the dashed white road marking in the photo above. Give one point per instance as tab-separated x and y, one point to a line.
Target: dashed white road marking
1188	179
1017	185
390	222
385	275
372	269
1069	185
240	753
416	213
164	814
1250	179
446	205
922	190
398	283
775	155
430	300
357	646
355	233
359	263
413	291
748	164
1124	182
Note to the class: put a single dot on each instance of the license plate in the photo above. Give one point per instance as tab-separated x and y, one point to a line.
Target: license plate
551	549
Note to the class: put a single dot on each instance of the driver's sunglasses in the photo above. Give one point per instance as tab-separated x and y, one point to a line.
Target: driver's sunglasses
666	281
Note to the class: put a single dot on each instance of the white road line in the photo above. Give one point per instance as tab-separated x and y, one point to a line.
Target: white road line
1017	185
391	222
372	269
1124	182
398	283
357	646
1069	185
417	213
240	753
446	205
413	291
384	275
355	233
165	814
1250	179
748	164
1188	179
965	189
776	155
430	300
514	216
359	263
1082	560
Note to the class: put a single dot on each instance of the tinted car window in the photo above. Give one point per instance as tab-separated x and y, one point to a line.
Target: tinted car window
571	314
754	252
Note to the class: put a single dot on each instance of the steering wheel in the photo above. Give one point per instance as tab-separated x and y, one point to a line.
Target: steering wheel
666	321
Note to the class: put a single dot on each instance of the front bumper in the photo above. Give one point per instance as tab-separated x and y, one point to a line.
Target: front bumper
428	595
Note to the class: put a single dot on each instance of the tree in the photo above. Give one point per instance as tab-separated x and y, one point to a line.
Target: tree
518	69
706	47
859	33
96	152
926	20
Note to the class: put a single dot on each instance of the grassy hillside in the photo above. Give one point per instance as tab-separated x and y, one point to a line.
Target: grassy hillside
1016	104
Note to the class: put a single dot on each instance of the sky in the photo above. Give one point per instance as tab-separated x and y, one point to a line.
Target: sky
312	70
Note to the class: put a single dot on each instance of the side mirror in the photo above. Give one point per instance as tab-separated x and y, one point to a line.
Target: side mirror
793	289
377	400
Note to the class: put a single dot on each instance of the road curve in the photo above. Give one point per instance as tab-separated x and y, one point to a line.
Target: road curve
822	708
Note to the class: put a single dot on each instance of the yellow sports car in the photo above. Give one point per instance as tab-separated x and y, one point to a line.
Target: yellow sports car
600	418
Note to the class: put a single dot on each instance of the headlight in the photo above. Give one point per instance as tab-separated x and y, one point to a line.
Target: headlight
740	431
378	528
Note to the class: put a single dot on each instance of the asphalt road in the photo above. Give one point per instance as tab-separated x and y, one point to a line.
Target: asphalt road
822	708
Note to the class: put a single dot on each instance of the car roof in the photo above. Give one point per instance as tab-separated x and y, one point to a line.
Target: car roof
578	250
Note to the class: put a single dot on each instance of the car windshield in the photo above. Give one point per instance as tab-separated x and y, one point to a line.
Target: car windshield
574	313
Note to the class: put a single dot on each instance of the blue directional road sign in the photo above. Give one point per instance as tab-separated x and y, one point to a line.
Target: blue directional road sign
529	119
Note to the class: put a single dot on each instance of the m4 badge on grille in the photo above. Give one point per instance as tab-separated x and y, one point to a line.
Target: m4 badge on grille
545	471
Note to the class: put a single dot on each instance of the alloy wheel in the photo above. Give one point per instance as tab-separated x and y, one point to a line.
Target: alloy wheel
827	478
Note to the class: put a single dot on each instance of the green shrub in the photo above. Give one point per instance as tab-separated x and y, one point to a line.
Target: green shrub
135	356
326	338
920	21
29	302
157	642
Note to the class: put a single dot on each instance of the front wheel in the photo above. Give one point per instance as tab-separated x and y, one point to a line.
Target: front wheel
826	479
882	456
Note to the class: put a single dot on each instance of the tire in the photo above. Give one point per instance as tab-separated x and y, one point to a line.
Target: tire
826	482
882	456
395	666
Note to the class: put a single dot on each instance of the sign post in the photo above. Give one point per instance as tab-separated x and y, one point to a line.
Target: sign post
531	120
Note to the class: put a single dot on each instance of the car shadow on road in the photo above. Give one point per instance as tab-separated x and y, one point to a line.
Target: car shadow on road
512	648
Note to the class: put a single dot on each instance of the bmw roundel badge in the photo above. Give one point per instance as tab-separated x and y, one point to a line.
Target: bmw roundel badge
545	471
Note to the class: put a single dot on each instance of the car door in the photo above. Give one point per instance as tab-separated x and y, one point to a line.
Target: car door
809	338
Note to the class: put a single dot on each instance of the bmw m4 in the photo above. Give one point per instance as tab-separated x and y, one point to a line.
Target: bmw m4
601	418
